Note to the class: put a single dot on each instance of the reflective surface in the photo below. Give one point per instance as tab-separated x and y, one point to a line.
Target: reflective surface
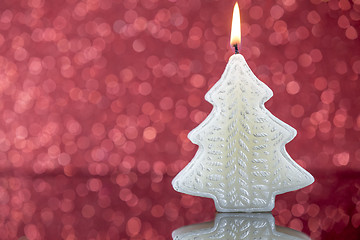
238	226
139	206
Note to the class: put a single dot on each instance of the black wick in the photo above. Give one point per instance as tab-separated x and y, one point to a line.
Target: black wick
236	48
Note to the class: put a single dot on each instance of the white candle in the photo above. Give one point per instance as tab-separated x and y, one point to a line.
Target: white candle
238	226
241	162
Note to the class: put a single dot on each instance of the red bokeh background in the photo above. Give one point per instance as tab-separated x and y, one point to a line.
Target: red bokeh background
97	98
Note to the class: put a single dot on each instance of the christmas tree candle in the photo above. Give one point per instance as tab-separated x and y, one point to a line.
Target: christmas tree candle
241	162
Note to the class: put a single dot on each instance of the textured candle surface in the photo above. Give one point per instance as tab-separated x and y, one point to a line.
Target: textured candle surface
238	226
241	162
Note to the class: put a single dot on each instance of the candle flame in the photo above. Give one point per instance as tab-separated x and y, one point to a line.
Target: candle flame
235	38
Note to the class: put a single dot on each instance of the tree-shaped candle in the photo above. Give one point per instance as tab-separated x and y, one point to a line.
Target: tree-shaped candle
241	162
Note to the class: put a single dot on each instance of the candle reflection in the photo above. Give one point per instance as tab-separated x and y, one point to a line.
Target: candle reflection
238	226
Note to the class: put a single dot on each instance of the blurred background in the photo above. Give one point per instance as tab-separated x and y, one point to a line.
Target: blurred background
97	98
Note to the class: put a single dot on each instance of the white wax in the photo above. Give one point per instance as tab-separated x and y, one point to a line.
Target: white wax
238	226
241	162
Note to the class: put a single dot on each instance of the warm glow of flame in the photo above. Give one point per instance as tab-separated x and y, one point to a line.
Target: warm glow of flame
235	27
